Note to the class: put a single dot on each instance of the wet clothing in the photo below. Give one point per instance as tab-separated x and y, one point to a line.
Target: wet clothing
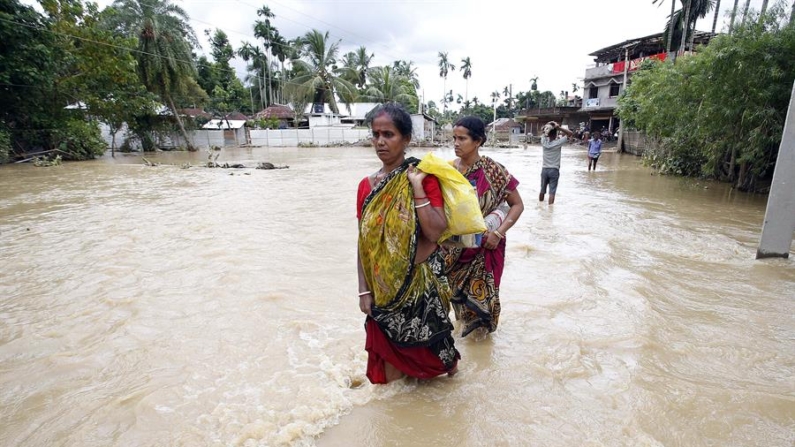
410	327
594	148
549	177
475	273
552	151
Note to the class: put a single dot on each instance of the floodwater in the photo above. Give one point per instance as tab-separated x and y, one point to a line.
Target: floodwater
160	306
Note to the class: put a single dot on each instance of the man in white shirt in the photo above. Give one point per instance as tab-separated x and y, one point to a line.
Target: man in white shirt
550	170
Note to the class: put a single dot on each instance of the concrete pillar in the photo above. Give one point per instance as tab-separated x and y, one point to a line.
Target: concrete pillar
780	215
624	87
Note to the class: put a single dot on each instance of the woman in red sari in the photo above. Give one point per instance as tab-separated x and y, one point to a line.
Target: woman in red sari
474	273
402	288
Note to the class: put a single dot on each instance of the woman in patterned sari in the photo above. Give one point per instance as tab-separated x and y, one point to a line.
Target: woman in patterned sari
402	288
474	273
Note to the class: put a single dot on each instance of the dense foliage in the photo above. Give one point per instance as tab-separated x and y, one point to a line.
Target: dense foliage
719	113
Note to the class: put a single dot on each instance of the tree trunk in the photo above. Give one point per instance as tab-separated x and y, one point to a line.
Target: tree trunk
734	15
693	36
671	27
764	8
686	25
179	123
715	19
732	163
792	14
745	10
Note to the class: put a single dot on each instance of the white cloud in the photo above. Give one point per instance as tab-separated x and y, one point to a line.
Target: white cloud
508	41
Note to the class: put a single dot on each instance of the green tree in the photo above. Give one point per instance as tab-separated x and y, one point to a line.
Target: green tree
387	86
256	67
165	44
316	75
445	67
466	70
408	71
718	113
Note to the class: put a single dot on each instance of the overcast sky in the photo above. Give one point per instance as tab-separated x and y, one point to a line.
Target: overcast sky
508	41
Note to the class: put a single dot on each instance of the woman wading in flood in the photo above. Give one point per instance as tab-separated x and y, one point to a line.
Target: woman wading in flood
402	289
475	273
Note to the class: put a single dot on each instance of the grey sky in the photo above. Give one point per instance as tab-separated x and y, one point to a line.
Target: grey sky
507	41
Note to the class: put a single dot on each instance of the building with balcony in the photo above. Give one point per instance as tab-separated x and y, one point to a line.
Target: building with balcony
604	81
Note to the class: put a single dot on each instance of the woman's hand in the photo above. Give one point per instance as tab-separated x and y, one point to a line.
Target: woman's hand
415	175
490	240
366	304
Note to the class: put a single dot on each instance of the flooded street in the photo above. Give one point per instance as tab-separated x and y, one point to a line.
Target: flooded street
160	306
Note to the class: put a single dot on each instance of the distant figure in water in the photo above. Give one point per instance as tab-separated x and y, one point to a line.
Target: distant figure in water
550	169
594	150
402	289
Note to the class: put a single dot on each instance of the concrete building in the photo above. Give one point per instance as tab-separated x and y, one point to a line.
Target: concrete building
614	66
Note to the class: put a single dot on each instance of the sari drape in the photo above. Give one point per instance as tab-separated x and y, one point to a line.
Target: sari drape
474	274
411	302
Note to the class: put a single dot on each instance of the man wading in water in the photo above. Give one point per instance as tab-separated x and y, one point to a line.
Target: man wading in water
550	170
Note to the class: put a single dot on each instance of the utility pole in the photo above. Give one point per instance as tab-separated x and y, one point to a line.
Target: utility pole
621	126
494	125
779	221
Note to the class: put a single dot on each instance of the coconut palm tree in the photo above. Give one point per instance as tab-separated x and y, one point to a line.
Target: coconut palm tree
745	10
165	44
444	68
466	69
362	60
734	15
409	72
387	86
670	27
715	19
316	71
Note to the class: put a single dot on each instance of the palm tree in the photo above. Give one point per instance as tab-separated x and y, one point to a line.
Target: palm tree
252	53
734	15
263	30
475	101
316	71
762	11
281	50
444	68
495	96
685	27
670	26
362	65
745	10
715	18
165	44
406	70
387	86
533	83
466	69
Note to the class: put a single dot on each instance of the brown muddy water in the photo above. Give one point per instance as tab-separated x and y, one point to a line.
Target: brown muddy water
159	306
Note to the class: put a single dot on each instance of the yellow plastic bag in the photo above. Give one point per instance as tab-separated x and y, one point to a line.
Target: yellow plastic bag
461	205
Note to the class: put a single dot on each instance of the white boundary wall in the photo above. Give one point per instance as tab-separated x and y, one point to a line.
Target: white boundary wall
203	139
319	136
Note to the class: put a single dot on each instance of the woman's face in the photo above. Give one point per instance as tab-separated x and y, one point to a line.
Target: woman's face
389	143
464	144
